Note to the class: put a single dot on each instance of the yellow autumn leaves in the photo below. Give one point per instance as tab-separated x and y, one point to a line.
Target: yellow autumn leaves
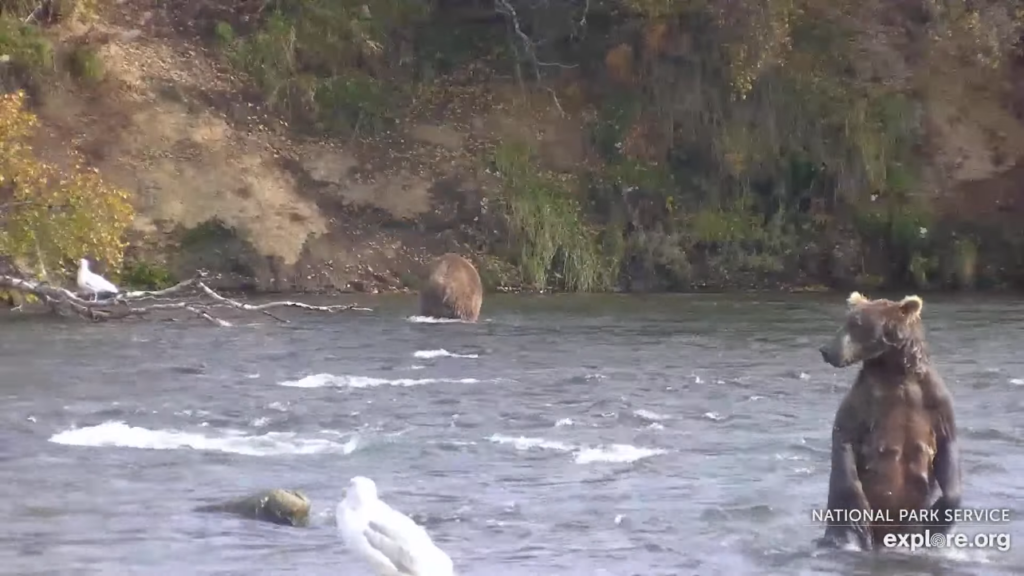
50	218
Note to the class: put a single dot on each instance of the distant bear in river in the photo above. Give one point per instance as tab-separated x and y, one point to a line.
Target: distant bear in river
894	439
452	289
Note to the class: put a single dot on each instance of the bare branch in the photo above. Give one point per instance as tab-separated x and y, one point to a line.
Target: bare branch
177	288
33	16
558	103
192	296
583	17
529	46
279	304
504	7
207	317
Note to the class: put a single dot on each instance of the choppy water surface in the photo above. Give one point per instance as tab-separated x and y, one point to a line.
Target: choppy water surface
560	436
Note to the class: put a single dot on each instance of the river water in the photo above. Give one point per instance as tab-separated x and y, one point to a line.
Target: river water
669	435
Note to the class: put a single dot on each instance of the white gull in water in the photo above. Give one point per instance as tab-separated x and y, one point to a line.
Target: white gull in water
93	283
385	538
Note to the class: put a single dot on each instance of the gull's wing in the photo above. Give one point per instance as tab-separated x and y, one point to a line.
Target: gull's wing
359	538
97	282
405	543
392	546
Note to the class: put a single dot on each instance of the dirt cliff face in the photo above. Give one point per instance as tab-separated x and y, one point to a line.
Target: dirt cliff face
224	185
221	184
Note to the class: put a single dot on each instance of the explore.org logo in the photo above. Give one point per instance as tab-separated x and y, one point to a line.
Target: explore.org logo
999	540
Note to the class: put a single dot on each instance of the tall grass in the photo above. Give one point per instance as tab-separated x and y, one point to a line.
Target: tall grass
557	248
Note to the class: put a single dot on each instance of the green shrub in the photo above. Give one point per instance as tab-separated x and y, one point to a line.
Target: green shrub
86	65
146	276
557	248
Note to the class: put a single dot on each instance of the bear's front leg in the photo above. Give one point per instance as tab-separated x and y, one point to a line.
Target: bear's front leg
848	505
946	463
946	468
845	499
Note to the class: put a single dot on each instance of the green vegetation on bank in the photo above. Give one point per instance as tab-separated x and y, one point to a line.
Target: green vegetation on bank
86	65
143	275
553	244
759	144
31	57
52	218
322	62
768	143
29	54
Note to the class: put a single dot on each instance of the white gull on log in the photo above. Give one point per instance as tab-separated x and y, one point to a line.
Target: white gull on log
391	542
93	283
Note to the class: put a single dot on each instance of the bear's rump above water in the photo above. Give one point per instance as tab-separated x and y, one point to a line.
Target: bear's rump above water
451	289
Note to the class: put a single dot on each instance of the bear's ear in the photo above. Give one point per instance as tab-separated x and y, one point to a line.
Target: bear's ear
911	306
856	298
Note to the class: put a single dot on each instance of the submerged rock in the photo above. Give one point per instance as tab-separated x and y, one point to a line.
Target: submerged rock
285	507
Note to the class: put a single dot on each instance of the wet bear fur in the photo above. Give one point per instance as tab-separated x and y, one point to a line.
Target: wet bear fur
452	289
894	439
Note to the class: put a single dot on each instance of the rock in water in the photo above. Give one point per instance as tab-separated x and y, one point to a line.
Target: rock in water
284	507
452	289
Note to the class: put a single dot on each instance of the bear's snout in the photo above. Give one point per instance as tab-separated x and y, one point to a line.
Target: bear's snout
832	356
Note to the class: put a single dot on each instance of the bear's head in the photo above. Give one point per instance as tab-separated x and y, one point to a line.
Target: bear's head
878	330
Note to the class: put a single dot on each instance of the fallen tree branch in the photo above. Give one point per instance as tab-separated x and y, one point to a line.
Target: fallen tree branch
192	296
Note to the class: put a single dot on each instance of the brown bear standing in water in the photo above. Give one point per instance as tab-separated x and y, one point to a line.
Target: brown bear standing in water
452	289
894	437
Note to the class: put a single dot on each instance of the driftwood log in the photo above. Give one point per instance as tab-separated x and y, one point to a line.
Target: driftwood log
191	296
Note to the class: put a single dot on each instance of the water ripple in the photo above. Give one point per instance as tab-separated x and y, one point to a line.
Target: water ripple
561	436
